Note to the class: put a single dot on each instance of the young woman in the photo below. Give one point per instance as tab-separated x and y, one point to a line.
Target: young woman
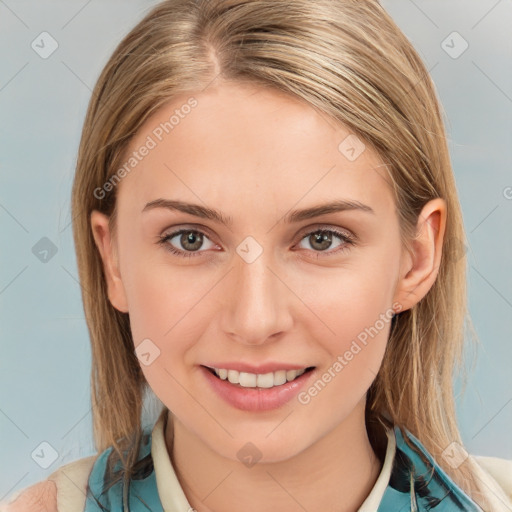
268	238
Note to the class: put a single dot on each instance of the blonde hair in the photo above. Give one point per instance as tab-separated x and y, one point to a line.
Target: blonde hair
349	60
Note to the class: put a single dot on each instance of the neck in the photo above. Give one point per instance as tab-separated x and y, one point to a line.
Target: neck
336	473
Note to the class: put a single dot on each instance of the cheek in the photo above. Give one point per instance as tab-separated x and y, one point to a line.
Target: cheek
168	312
348	301
352	322
160	297
360	321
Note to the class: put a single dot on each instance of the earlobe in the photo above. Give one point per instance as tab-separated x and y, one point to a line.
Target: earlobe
105	244
420	268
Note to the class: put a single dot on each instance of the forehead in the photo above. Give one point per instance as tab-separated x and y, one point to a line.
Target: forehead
234	144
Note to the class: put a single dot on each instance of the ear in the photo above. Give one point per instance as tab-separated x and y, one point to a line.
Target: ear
108	251
419	269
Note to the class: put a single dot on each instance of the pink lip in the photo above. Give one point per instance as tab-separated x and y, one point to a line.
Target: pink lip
256	399
260	369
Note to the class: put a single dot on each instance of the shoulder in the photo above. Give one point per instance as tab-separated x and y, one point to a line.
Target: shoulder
40	497
499	469
64	490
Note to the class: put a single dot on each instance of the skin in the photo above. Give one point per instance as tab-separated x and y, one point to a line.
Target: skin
40	497
255	153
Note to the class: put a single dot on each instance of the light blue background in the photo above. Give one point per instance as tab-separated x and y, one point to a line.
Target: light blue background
45	354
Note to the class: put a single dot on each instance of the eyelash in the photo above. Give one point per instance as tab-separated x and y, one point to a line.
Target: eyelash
348	242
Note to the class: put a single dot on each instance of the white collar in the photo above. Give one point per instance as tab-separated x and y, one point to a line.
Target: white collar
173	498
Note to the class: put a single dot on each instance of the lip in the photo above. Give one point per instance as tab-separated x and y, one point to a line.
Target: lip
256	399
259	369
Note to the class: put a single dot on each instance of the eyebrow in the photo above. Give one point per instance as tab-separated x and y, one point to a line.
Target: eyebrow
291	217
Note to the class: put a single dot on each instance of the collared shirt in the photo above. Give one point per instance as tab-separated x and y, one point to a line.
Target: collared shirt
409	480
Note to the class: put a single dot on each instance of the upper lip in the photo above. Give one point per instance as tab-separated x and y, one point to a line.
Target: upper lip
260	369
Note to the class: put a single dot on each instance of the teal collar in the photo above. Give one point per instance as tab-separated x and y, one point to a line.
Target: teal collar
417	484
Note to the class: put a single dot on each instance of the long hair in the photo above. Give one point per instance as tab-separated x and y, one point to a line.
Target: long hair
350	61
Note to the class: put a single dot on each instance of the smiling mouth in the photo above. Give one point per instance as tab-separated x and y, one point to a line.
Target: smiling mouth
253	380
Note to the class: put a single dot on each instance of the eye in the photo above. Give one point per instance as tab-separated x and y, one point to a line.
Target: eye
322	239
190	239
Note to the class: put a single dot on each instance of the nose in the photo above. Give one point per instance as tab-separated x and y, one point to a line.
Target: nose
258	308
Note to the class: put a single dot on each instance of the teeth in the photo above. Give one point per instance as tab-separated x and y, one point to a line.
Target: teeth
253	380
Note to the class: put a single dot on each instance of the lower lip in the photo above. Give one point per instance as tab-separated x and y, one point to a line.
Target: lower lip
256	399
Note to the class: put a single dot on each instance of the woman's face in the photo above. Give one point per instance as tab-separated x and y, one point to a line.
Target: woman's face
257	285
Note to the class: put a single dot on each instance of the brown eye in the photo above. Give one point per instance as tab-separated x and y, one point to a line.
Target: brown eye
322	239
189	241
